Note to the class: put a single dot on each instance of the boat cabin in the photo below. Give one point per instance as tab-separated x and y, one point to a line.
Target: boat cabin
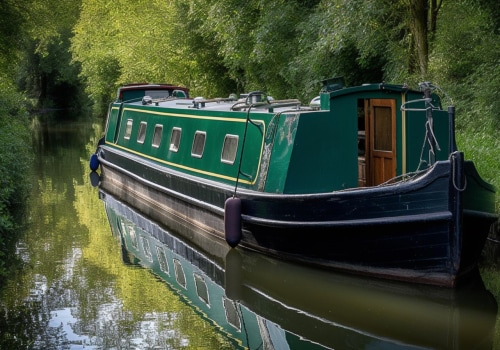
348	138
392	141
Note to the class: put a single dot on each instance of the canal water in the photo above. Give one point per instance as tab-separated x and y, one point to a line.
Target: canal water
97	274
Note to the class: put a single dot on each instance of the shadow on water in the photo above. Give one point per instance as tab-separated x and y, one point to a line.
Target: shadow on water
142	287
261	302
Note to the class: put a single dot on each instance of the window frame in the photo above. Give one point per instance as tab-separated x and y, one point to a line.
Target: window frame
128	129
160	128
162	260
201	288
196	145
141	133
174	146
232	159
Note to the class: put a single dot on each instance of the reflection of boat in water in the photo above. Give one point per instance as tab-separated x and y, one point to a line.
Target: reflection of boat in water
259	302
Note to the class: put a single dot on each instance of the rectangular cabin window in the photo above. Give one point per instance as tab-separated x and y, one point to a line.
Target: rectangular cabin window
142	132
229	149
131	232
128	129
147	249
162	260
157	135
232	314
179	273
201	288
198	144
175	139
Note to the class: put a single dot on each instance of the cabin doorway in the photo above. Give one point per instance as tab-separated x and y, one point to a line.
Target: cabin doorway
379	161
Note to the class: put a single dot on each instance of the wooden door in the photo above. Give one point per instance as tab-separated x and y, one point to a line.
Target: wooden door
380	140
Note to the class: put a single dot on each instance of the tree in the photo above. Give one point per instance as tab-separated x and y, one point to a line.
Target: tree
419	28
46	73
12	27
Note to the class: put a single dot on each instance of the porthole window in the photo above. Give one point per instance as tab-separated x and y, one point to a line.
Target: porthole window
198	144
175	139
229	149
128	129
142	132
157	135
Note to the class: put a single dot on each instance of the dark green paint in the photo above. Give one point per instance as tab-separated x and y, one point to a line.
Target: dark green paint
289	152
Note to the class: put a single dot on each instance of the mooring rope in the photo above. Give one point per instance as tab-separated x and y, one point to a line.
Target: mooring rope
242	150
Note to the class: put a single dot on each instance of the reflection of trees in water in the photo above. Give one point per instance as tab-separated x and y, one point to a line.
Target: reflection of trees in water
15	165
73	288
20	325
26	326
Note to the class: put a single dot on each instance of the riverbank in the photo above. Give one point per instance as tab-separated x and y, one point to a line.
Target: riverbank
16	159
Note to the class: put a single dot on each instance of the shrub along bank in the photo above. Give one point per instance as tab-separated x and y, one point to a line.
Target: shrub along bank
15	166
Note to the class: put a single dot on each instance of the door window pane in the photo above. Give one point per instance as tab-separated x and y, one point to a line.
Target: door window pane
382	128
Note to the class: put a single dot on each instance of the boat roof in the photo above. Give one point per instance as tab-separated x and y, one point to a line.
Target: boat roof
223	104
242	104
227	105
372	87
147	86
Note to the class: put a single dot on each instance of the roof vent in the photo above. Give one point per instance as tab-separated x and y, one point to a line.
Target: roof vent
147	100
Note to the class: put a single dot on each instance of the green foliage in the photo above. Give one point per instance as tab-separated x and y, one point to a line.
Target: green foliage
124	42
15	165
465	61
256	42
482	147
217	47
11	22
45	71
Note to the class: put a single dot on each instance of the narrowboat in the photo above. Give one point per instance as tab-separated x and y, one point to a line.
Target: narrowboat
365	179
255	301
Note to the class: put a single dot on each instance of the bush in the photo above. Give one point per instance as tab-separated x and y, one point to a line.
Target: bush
15	165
